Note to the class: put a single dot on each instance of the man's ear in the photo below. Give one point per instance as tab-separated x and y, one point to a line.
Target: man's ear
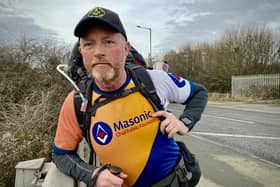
127	47
80	43
80	50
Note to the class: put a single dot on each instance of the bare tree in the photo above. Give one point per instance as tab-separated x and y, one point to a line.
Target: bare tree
242	51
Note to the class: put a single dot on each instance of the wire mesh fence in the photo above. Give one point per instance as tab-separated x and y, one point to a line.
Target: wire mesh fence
262	85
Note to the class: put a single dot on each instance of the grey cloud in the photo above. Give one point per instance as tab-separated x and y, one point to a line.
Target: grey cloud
204	20
173	22
14	26
246	9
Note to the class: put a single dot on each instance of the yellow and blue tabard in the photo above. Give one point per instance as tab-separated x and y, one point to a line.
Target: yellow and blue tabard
124	133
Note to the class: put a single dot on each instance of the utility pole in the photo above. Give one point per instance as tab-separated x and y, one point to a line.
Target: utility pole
150	54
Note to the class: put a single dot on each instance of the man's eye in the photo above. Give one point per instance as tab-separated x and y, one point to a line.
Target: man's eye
109	41
88	44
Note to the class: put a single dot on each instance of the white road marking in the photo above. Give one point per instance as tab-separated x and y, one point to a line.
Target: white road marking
235	135
219	117
230	119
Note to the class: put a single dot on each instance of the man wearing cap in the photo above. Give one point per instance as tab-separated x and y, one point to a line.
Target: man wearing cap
125	133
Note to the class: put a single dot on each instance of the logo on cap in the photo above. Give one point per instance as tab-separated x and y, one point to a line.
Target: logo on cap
102	133
96	12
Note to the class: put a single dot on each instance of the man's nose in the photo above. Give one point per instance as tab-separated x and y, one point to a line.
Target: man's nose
99	51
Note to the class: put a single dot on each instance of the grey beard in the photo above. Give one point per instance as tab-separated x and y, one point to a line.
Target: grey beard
107	77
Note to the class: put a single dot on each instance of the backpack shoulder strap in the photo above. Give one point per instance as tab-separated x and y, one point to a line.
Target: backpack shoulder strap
140	76
83	117
77	106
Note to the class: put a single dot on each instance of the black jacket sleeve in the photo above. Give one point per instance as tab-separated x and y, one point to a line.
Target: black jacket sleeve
195	105
72	165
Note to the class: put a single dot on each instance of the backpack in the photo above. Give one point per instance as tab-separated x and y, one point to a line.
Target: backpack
136	67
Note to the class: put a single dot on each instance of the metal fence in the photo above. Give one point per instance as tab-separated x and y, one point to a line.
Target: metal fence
263	85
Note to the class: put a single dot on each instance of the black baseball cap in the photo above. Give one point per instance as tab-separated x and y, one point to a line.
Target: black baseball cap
99	15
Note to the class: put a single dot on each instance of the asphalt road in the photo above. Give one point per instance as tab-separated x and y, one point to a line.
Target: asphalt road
237	144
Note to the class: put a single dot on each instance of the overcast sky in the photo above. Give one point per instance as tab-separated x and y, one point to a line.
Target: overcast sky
174	23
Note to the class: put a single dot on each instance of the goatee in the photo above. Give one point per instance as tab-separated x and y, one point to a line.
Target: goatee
109	76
